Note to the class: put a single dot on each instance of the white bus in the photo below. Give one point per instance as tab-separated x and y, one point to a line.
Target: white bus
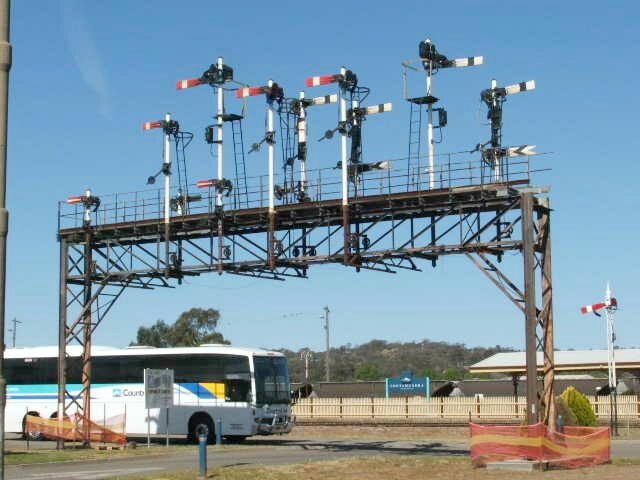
246	388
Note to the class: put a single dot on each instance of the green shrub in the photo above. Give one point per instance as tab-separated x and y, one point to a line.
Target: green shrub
580	406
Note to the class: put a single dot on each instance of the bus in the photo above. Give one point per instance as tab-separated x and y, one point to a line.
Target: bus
247	389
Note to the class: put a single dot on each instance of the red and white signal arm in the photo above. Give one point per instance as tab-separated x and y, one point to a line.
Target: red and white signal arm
613	303
205	183
192	82
245	92
321	80
150	125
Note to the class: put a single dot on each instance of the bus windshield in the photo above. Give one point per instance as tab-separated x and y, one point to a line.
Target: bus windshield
272	380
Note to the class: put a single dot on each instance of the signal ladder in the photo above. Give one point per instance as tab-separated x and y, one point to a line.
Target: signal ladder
415	138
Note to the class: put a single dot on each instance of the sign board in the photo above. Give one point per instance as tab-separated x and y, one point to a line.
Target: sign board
407	384
158	388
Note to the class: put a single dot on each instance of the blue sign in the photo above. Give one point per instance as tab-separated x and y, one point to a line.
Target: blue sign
407	384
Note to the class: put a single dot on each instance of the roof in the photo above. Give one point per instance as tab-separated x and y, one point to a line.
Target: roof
101	351
565	360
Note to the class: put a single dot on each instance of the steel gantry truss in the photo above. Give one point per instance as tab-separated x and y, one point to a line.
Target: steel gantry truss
383	216
122	244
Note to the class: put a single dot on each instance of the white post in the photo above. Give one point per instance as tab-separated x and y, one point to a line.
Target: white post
496	157
302	140
613	381
87	208
219	129
610	341
271	149
167	171
354	123
431	146
343	141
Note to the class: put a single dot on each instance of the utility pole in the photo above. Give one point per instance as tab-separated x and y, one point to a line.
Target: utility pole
5	66
13	332
327	356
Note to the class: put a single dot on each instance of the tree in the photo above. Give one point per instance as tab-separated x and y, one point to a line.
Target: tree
157	335
580	406
192	328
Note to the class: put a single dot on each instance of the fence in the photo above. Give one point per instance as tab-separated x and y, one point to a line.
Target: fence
447	410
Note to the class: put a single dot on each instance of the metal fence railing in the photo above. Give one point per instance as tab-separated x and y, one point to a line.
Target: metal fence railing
399	176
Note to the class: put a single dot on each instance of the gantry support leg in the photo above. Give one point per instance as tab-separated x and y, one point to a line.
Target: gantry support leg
62	336
87	330
536	252
531	319
94	304
545	318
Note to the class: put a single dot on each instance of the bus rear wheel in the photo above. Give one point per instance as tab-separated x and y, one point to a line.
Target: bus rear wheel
197	423
33	435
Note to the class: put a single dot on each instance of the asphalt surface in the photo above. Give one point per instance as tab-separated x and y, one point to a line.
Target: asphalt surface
262	451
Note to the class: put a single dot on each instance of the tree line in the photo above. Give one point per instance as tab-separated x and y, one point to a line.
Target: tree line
379	359
374	360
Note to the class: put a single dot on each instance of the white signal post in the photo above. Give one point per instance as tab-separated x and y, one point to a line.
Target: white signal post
87	208
302	140
273	93
219	133
494	97
611	338
343	142
498	164
89	202
169	128
342	99
216	76
431	64
167	176
431	146
271	149
303	132
610	305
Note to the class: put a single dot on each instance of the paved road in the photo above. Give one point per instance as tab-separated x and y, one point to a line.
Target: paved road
255	452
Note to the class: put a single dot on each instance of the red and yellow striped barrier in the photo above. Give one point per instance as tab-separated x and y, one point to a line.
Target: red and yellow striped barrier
71	428
574	447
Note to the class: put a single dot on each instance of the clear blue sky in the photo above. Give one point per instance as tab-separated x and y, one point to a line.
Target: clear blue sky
86	74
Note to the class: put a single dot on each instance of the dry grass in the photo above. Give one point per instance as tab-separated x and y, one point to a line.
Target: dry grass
400	467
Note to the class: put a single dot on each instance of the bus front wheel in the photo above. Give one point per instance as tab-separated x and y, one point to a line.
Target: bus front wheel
197	423
31	435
